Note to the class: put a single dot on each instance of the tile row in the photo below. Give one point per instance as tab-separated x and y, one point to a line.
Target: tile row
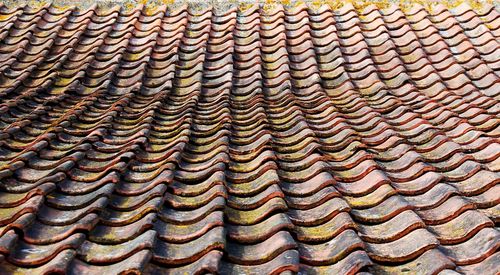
245	141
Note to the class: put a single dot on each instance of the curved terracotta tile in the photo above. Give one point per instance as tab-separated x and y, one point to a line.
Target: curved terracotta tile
194	201
55	216
210	262
15	199
461	228
60	263
64	201
353	263
261	252
331	251
374	198
486	199
249	217
261	231
417	241
384	211
181	233
487	266
109	234
41	233
432	198
372	181
9	215
418	185
491	212
20	223
309	187
134	263
317	199
32	254
252	202
197	126
392	229
100	254
7	241
256	184
476	249
319	214
287	261
178	254
430	262
448	210
111	217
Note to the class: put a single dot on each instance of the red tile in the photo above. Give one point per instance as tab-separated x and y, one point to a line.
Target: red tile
262	140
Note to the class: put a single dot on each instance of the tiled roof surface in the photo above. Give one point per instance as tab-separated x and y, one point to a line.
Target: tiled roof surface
250	141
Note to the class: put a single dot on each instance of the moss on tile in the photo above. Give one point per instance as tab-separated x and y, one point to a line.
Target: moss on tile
152	5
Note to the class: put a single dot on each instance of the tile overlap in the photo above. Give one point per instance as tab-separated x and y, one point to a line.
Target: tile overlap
249	141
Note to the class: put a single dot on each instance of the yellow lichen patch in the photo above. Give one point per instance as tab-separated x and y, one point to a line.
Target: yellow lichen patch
360	5
36	4
4	17
316	4
477	5
128	6
270	5
404	5
62	7
244	6
333	4
152	8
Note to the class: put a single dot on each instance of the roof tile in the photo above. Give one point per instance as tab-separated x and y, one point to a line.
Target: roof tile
288	139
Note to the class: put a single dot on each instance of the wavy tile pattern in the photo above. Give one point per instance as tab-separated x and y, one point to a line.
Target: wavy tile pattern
249	141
